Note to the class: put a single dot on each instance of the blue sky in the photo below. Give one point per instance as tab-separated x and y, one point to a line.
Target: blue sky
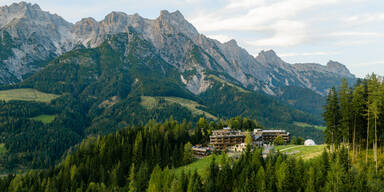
348	31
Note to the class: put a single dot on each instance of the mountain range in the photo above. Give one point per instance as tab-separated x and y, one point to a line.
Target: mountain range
125	70
31	37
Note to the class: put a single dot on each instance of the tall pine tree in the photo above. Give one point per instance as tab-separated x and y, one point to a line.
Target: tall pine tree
332	118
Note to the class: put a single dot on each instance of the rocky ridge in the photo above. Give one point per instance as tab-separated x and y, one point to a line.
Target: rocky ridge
36	36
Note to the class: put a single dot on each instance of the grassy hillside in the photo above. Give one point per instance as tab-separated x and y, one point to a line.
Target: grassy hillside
305	152
26	95
227	83
305	125
193	106
90	79
44	118
201	165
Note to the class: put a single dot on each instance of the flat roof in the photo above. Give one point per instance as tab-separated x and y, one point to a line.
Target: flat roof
274	130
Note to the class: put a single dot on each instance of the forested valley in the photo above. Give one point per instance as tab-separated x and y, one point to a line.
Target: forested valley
144	158
128	103
119	84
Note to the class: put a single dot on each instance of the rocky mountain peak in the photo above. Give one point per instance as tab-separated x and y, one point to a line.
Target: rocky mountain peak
175	39
268	53
269	57
89	20
115	17
176	22
231	43
86	25
174	15
24	5
17	11
339	68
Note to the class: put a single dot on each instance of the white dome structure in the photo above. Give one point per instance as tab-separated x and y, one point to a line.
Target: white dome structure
309	142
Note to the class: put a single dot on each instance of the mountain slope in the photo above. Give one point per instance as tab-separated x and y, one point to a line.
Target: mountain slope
127	66
102	91
104	71
32	37
23	28
175	37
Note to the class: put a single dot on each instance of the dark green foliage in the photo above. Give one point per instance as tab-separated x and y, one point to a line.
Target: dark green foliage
297	140
278	140
332	117
137	159
102	89
355	116
123	159
304	99
32	144
227	101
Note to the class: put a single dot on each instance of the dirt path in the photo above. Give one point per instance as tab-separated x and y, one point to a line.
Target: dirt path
289	148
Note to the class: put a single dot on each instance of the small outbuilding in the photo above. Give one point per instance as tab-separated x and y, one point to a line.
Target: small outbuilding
309	142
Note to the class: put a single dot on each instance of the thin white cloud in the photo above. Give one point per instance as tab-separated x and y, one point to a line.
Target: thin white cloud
365	18
220	37
370	63
356	33
286	33
253	18
296	54
347	43
276	18
233	4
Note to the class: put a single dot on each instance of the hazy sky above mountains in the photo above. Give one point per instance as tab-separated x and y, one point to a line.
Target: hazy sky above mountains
348	31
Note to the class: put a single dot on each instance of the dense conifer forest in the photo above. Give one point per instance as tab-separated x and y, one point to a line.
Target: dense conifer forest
144	158
100	91
354	118
129	103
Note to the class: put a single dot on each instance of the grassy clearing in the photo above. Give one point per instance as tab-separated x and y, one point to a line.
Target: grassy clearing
191	105
44	118
227	83
302	124
2	149
151	102
284	147
201	166
26	95
148	102
305	152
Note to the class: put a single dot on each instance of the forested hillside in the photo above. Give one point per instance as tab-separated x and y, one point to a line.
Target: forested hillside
354	117
100	90
144	158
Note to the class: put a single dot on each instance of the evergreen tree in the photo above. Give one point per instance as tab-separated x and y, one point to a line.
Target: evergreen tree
358	105
248	138
194	184
332	117
282	176
260	178
335	177
310	185
176	186
212	175
374	104
132	180
278	140
155	181
346	110
188	153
